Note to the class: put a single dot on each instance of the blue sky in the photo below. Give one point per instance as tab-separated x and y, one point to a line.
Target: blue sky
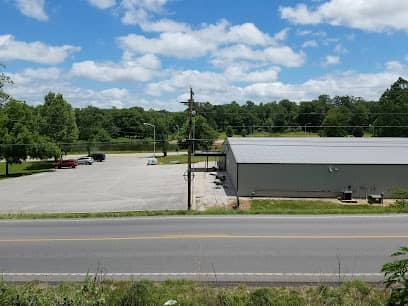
148	52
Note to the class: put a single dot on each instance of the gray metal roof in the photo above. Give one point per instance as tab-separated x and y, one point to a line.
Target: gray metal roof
315	150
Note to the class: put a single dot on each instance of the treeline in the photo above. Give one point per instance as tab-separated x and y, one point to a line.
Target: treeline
52	128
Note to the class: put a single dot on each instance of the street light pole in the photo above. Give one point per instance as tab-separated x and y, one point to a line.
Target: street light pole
154	136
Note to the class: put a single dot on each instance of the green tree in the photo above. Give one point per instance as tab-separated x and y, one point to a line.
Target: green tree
229	131
91	122
393	106
335	122
58	120
202	131
19	138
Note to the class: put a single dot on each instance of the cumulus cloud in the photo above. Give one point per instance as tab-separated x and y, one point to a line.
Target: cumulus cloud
29	75
32	8
277	55
102	4
142	69
332	60
366	85
221	41
310	44
138	11
37	52
373	15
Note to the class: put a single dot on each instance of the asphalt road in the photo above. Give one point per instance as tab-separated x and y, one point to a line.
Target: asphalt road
236	248
121	183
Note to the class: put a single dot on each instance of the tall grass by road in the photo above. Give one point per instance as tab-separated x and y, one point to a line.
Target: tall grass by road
187	293
271	207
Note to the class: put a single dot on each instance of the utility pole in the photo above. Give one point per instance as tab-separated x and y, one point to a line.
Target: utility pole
190	147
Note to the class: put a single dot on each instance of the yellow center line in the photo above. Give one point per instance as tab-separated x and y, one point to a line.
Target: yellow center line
203	236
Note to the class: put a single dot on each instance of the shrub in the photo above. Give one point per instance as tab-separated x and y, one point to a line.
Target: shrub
396	277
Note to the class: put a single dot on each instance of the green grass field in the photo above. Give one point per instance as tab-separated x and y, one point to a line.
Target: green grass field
25	168
318	207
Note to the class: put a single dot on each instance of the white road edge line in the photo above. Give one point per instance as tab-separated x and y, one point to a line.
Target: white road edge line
199	274
214	217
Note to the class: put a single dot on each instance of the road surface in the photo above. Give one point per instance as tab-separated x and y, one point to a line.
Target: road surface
213	248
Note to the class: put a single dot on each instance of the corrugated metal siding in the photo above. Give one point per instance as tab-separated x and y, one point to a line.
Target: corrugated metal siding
291	180
231	166
320	150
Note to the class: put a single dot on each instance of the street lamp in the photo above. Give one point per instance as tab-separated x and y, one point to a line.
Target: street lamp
154	136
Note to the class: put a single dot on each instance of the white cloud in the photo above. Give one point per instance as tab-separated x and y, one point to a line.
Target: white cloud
238	74
340	49
141	69
32	85
261	86
188	43
373	15
310	44
332	60
32	8
282	35
29	75
102	4
138	11
367	85
276	55
182	80
37	52
174	44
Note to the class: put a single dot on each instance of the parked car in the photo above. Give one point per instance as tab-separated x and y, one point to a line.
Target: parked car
152	161
85	160
98	156
66	163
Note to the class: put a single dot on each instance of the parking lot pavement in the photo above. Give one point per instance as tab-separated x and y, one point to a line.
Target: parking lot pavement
121	183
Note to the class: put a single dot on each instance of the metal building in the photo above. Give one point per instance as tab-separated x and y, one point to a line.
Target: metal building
316	167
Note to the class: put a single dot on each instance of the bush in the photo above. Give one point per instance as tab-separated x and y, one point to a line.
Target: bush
396	278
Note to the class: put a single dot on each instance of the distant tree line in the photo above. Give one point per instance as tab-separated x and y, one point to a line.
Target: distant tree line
54	127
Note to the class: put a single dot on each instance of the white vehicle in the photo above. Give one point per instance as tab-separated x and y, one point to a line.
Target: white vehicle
85	160
152	161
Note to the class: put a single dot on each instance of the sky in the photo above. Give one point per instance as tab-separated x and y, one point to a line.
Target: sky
148	53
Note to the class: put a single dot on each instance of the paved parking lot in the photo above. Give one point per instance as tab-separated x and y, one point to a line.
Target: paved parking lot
121	183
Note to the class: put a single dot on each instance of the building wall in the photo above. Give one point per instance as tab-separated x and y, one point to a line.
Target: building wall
231	167
303	180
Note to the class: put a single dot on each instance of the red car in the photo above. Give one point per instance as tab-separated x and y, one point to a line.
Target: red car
66	163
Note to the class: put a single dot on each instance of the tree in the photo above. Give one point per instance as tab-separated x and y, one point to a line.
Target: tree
335	122
58	120
91	122
393	106
202	131
19	138
229	131
4	80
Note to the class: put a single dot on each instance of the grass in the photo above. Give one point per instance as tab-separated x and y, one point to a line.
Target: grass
181	159
271	207
25	168
318	208
95	292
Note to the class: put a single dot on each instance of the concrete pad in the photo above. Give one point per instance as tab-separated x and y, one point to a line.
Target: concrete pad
121	183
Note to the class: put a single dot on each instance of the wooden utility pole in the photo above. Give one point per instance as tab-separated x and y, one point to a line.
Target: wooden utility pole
190	140
190	147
